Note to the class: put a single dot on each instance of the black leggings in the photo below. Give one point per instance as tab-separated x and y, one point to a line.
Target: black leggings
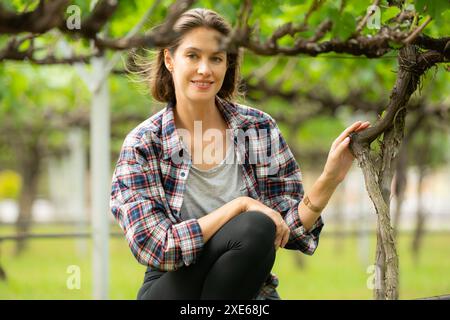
234	264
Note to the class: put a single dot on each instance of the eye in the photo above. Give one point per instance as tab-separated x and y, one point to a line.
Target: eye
217	59
191	56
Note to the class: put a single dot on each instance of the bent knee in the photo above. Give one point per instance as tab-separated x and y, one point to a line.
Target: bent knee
257	226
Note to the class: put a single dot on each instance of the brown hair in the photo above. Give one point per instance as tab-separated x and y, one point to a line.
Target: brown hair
161	82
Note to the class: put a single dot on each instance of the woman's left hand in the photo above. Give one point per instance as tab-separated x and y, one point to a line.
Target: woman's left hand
340	158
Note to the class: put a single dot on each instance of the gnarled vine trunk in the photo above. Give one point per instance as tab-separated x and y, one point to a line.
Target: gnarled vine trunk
378	169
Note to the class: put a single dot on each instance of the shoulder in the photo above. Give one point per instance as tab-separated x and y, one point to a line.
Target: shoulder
255	117
146	136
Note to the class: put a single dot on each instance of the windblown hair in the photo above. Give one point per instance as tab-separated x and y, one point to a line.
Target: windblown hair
160	79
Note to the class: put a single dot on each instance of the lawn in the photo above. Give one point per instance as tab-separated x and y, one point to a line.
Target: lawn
338	269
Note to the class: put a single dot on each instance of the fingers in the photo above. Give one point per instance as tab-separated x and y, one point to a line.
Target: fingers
282	229
345	142
282	237
340	148
347	131
282	240
278	239
285	239
357	126
277	243
363	126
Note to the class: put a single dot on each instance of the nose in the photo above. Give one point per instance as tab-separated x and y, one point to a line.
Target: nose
204	68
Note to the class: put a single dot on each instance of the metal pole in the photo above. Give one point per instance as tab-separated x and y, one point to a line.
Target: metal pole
77	173
100	181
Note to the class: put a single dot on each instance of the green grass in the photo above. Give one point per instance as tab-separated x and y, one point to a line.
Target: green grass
335	271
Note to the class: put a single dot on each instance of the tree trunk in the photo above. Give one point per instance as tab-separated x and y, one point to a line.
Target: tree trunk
29	168
402	167
400	186
420	214
380	270
387	287
3	276
339	223
378	171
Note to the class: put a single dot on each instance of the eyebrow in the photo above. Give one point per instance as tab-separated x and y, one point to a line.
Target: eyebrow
197	49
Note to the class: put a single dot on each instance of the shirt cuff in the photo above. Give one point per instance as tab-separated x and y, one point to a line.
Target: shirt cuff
300	238
190	237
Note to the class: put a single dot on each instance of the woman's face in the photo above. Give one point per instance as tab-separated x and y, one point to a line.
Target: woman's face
198	67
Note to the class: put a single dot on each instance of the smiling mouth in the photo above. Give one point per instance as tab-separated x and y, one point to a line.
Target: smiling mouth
202	84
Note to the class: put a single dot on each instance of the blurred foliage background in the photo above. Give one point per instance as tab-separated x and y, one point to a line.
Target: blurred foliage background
39	104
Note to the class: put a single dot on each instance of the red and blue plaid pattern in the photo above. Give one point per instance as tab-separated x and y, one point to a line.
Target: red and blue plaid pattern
149	180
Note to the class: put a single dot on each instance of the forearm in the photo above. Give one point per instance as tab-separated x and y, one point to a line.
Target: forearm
213	221
319	195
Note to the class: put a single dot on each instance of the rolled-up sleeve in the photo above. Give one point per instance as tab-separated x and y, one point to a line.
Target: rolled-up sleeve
284	192
136	203
306	241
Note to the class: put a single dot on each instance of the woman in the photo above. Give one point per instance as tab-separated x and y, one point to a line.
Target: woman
208	224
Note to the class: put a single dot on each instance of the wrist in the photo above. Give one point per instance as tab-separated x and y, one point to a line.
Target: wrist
329	181
307	202
241	204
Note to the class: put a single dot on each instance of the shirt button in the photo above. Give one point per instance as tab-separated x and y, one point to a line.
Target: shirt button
183	174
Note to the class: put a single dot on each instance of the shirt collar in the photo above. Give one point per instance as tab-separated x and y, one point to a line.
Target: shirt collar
171	140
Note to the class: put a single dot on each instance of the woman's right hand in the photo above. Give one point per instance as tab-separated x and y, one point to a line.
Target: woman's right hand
282	232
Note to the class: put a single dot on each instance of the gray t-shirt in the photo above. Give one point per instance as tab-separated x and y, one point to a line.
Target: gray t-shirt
207	190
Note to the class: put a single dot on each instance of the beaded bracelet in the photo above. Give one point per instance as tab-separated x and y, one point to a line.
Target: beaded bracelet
312	207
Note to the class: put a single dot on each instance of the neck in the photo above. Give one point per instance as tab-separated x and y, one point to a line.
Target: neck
186	112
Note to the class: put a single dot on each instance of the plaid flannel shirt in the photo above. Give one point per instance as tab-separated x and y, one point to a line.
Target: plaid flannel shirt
148	186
